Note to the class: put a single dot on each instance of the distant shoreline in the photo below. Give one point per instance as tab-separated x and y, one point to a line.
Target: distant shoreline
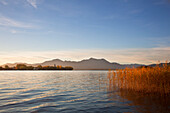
63	70
39	67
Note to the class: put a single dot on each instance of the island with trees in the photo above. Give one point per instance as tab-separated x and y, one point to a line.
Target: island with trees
39	67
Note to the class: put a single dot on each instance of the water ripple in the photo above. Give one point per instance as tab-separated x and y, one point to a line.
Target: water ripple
60	91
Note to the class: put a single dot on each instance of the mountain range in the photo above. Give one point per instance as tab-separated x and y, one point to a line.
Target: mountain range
87	64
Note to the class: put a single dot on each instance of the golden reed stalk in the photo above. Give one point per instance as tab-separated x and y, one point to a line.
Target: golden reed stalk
146	80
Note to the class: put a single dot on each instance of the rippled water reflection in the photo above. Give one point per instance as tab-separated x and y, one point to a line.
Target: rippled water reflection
64	91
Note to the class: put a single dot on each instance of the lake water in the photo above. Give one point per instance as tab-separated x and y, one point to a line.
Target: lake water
70	91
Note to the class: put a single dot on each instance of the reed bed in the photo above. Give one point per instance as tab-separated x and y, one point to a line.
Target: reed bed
145	79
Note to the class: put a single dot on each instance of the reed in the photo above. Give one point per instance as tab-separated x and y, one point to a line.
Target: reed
145	79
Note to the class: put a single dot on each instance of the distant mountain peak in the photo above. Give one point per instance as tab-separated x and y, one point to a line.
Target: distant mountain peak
92	58
96	59
56	60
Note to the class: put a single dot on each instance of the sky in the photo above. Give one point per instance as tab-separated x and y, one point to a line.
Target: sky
123	31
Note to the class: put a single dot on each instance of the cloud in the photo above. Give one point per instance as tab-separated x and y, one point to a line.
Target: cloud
123	56
3	2
4	21
13	31
161	41
33	3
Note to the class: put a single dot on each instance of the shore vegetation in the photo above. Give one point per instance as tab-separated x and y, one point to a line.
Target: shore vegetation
144	79
39	67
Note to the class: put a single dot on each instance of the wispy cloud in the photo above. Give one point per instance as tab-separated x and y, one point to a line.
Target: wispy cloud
3	2
142	56
13	31
5	21
162	42
33	3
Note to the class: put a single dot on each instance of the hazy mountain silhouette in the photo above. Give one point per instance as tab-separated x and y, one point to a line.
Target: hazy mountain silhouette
160	65
87	64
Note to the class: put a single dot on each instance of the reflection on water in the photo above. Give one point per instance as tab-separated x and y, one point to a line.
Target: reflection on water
68	91
142	102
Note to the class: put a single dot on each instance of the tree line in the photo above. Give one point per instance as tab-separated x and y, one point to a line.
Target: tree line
39	67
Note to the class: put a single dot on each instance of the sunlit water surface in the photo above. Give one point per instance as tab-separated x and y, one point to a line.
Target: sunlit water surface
69	91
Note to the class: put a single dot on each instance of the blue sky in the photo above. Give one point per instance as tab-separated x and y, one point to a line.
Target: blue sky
124	31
